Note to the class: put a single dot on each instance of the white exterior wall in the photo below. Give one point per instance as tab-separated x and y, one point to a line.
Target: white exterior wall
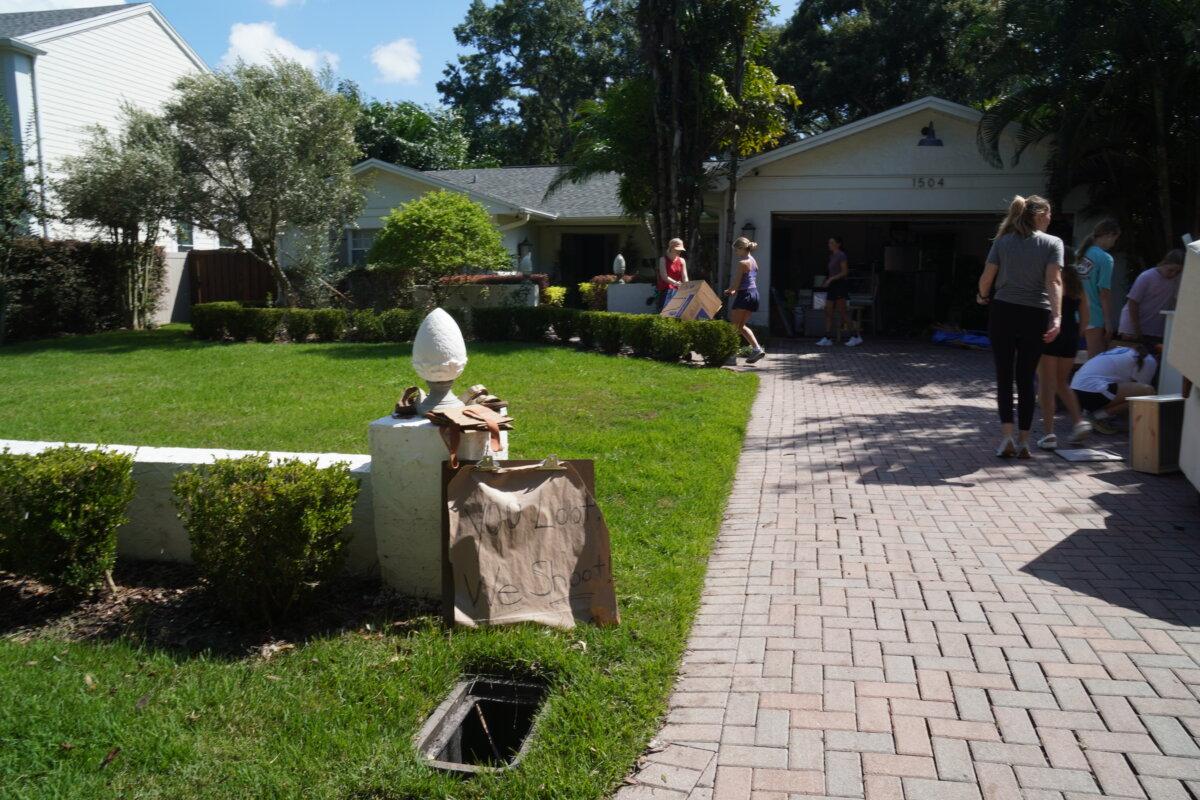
84	78
17	69
873	171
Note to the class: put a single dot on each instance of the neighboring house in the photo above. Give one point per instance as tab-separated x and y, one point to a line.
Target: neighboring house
917	211
68	70
574	233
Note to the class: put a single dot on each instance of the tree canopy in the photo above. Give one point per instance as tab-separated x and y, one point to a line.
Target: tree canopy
408	134
533	63
262	148
854	58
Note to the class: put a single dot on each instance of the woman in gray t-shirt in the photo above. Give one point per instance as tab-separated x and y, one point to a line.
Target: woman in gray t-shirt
1024	267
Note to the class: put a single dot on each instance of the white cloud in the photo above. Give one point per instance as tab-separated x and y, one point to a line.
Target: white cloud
285	3
10	6
254	42
398	61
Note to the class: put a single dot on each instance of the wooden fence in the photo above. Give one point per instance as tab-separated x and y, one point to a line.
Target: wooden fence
228	275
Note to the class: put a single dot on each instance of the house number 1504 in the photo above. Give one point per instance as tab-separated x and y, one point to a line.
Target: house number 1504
929	183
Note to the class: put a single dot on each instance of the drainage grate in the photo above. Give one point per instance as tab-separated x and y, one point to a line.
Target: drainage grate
484	725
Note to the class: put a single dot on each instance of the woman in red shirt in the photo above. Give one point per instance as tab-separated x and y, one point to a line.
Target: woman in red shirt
672	271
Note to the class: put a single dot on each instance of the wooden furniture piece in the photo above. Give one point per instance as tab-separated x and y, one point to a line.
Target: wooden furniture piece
1155	432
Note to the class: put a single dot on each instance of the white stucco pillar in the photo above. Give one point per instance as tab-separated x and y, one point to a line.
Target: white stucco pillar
406	466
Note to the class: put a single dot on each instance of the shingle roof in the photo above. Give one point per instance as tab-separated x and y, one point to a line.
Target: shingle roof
21	23
526	187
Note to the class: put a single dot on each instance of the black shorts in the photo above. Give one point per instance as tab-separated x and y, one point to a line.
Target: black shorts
1094	401
1066	345
746	301
838	290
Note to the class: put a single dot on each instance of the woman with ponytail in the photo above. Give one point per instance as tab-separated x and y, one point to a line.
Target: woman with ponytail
1094	266
1024	267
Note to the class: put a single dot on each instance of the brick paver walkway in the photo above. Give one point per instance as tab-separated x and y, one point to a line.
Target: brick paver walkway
892	612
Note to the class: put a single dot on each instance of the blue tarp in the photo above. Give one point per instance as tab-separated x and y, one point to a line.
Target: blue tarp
962	338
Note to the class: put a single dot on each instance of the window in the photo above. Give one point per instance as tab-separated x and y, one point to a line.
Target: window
183	236
360	243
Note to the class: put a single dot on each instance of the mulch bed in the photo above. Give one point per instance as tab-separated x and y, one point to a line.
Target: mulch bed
166	606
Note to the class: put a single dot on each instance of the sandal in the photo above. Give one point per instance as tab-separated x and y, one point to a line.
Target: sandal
1048	442
1023	451
1007	448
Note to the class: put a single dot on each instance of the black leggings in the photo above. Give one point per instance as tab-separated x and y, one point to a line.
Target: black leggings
1016	334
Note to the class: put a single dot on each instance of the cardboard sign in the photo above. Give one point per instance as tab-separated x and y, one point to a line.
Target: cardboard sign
693	300
527	544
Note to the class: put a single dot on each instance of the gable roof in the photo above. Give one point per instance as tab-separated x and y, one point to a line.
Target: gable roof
930	103
39	27
595	198
432	180
22	23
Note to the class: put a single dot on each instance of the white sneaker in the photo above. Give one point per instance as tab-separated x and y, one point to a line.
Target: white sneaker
825	342
854	341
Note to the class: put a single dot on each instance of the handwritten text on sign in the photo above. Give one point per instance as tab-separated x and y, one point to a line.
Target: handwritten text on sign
528	545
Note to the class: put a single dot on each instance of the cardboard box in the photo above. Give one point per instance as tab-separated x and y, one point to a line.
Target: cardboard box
693	300
1155	431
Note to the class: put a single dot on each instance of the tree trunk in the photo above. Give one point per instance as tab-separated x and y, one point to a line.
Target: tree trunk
267	253
1162	170
739	72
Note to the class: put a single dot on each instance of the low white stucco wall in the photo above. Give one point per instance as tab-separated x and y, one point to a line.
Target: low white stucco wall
630	298
155	532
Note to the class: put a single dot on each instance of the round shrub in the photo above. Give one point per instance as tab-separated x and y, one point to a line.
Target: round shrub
212	320
554	296
298	322
262	535
637	331
493	324
437	234
715	340
399	324
566	323
532	322
668	339
329	324
59	514
367	327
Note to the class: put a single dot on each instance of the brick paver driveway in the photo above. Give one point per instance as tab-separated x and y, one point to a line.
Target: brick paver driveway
893	612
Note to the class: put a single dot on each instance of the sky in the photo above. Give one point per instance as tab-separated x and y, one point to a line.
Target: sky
394	49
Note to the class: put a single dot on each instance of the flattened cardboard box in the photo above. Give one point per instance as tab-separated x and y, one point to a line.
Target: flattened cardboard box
693	300
525	544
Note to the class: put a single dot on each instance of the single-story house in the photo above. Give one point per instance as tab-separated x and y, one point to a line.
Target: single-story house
907	189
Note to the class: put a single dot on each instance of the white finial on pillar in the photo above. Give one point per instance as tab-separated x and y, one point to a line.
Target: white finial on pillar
439	356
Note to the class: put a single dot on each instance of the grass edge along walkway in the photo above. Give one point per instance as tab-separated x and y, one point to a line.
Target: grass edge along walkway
335	717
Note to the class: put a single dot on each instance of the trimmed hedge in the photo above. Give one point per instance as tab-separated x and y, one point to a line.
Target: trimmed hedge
647	335
493	324
716	341
59	514
262	535
52	287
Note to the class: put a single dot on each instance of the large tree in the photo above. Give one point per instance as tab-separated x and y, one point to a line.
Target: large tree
1111	87
670	131
126	185
265	149
533	62
405	133
853	58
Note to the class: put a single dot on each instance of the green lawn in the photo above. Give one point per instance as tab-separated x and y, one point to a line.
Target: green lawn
335	717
